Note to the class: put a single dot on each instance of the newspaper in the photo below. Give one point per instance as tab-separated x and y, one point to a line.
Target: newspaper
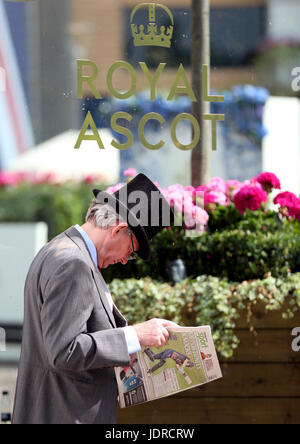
189	359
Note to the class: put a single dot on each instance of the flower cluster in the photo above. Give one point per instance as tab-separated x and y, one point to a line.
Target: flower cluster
113	189
12	179
131	172
269	182
250	197
289	205
182	200
194	204
252	194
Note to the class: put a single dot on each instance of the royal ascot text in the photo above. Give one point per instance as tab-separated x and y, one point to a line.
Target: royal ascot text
180	86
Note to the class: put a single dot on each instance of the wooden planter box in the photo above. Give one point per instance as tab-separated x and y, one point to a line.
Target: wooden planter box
261	385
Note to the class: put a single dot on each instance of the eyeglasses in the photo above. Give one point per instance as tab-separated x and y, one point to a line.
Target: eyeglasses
132	257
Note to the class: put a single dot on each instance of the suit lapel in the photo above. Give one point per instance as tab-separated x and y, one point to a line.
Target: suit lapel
75	236
120	320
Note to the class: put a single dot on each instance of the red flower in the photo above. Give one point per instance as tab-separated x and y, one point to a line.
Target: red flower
250	197
294	212
289	204
286	199
269	181
11	179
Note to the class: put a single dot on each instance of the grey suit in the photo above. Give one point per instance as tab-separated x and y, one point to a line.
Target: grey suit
71	340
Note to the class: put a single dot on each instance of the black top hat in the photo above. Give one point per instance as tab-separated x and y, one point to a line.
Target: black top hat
143	207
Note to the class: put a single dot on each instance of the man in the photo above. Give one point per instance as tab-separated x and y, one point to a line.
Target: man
180	359
73	333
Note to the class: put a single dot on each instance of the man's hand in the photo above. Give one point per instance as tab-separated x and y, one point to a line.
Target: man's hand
153	333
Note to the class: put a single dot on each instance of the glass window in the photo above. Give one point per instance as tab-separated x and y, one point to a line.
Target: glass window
235	34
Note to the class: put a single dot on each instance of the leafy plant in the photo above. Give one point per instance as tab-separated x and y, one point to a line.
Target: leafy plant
206	300
60	206
251	247
233	246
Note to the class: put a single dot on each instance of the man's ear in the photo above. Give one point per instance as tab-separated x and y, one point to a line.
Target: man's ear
119	228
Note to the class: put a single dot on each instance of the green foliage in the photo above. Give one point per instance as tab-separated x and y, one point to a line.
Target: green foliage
206	300
258	246
229	218
240	249
60	206
234	247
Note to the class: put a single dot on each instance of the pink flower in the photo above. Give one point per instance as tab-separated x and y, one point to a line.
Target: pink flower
178	197
176	187
217	197
294	212
190	188
289	204
23	176
43	178
210	198
181	201
93	178
269	181
250	197
200	189
114	188
196	218
252	182
232	187
10	179
217	184
131	172
286	199
204	196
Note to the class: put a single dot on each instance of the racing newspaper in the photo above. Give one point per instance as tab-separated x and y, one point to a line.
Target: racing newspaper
188	360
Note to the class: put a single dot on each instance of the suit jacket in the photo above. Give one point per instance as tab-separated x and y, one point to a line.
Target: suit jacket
71	340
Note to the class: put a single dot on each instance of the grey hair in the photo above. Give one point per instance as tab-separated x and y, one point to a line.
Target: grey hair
103	216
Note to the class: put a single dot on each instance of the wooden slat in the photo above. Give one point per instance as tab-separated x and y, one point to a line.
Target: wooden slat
214	411
261	318
251	380
258	317
267	346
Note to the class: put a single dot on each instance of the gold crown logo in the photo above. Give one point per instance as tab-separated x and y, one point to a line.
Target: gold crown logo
152	36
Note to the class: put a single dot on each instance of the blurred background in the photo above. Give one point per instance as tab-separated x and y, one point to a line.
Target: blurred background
45	183
252	43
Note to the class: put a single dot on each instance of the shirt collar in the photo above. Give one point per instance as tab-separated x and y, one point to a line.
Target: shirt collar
90	245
